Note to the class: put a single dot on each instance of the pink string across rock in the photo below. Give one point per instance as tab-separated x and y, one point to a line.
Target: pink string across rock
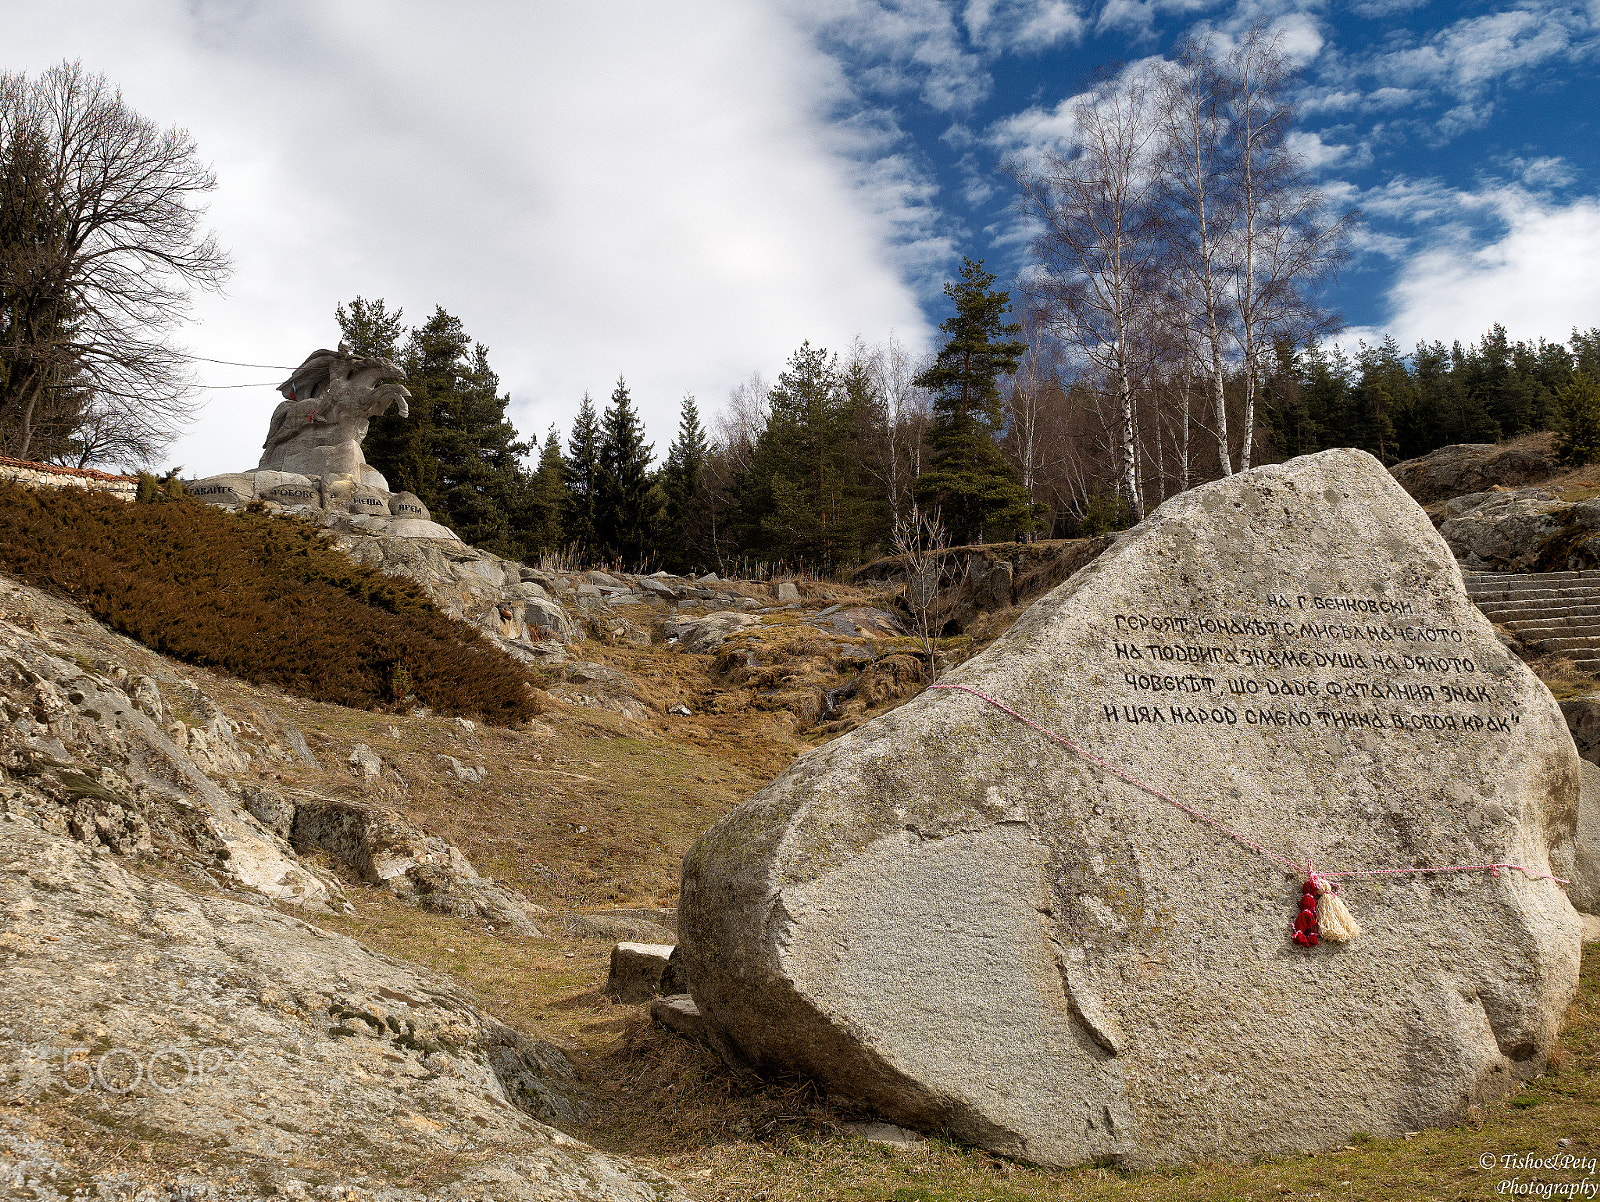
1321	892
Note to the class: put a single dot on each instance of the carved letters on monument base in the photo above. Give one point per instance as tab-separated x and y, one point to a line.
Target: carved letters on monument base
399	514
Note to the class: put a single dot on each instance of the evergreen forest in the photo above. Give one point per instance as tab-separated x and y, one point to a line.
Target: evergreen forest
994	432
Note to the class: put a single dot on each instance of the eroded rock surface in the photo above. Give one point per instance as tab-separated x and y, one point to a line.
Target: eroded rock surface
952	919
265	1051
1454	471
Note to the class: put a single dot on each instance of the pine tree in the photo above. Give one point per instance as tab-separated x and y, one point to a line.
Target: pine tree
548	500
799	498
583	480
970	484
684	517
396	446
456	450
369	328
624	514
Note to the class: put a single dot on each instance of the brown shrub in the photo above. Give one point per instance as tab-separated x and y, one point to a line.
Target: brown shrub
263	598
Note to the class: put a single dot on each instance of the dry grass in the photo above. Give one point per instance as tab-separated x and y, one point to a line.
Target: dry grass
584	809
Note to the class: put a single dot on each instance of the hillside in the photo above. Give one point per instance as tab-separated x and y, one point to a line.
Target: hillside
578	819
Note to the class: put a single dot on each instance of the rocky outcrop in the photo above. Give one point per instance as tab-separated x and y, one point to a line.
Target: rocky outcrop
385	849
1454	471
92	749
249	1045
954	920
142	762
1505	531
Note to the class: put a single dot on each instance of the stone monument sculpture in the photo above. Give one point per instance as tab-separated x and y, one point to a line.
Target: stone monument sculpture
328	403
312	462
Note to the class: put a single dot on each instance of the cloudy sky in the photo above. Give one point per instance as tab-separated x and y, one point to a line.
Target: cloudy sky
680	193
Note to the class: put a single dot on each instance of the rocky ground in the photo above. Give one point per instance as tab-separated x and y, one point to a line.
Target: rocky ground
380	938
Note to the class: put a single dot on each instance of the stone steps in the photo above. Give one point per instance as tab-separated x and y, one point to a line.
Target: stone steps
1556	612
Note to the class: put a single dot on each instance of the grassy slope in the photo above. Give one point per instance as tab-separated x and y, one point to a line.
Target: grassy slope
586	810
643	796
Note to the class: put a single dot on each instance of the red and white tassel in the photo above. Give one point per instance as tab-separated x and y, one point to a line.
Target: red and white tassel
1323	915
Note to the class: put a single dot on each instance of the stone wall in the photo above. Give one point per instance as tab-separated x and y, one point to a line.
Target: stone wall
49	475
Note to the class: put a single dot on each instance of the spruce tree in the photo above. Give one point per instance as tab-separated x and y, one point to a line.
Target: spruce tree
369	329
396	446
548	500
582	473
624	513
456	450
970	484
798	499
684	534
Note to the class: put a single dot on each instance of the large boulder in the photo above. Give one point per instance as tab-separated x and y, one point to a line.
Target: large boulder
954	919
1467	468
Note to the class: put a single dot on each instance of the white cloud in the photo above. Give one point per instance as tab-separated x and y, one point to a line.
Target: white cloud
1467	56
1025	26
899	47
1537	279
1317	154
657	191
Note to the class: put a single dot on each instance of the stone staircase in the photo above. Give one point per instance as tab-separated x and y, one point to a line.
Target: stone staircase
1551	612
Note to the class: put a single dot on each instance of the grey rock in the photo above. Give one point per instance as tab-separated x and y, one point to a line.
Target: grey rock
1505	533
328	403
786	591
883	1133
1585	890
959	923
464	773
364	762
384	849
1464	468
234	488
862	622
271	808
636	971
701	635
409	505
288	488
278	1050
675	977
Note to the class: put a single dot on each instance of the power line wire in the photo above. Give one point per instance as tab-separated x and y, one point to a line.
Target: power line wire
231	363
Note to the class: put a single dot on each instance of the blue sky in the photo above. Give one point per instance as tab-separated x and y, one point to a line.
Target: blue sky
1467	134
681	193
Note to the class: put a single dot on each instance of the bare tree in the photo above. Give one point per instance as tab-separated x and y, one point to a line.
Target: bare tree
1199	210
1097	203
919	541
1034	385
1284	241
904	420
100	245
741	424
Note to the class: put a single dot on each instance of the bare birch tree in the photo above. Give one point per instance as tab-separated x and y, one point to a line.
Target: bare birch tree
1097	204
1199	211
1284	240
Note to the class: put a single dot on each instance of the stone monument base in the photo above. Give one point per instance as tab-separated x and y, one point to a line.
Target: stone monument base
370	505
